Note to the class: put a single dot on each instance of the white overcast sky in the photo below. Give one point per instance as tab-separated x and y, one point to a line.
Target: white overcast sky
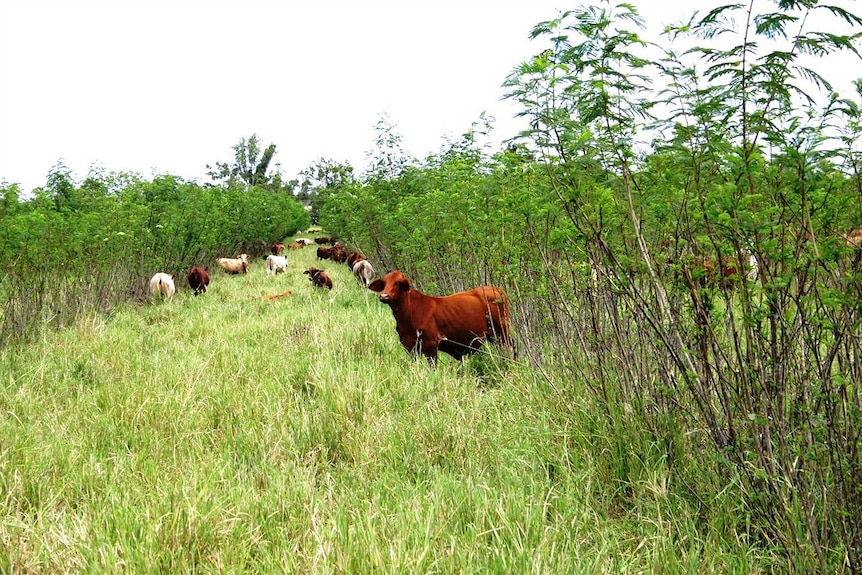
168	86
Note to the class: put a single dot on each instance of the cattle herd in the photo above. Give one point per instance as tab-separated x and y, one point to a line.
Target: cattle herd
457	324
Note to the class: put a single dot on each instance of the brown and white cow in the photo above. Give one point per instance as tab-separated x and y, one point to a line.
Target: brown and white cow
354	257
163	283
319	278
199	279
456	324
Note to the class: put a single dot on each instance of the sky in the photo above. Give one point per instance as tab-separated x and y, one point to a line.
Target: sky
169	86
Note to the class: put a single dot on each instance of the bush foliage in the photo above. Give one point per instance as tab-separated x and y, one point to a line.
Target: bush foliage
630	261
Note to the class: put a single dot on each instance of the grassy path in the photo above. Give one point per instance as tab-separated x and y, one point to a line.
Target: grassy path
226	433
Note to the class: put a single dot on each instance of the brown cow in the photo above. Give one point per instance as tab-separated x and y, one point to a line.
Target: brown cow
281	295
323	253
277	248
319	277
456	324
338	254
708	273
199	279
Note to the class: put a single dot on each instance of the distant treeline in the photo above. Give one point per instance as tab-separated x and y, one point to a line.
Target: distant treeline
77	248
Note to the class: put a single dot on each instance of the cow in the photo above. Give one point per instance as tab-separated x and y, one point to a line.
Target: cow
338	254
354	257
455	324
304	241
237	265
324	253
295	245
752	270
363	271
705	273
275	264
321	240
199	279
272	296
319	278
163	283
853	239
276	248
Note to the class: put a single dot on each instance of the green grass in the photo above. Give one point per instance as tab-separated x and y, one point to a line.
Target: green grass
230	434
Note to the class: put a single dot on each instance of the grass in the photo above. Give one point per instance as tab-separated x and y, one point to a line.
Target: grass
225	433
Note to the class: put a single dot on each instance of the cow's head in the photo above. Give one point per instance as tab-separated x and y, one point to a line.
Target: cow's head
390	287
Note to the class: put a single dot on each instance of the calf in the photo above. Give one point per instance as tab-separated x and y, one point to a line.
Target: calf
319	278
456	324
275	264
277	248
162	283
199	279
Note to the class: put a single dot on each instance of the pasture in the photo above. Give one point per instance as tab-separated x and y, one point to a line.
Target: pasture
229	433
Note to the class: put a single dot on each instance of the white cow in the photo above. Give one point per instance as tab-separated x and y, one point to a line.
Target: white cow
752	269
363	272
275	264
237	265
162	283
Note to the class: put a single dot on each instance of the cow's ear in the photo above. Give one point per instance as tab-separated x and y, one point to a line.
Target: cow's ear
404	284
377	285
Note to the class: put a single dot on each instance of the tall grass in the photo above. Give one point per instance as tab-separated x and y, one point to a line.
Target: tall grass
225	433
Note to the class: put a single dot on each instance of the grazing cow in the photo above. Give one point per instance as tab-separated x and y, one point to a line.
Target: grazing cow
456	324
321	241
237	265
164	284
303	241
338	254
324	253
277	248
199	279
354	257
275	264
319	278
363	271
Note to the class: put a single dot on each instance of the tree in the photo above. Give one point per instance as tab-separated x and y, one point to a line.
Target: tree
251	165
319	180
